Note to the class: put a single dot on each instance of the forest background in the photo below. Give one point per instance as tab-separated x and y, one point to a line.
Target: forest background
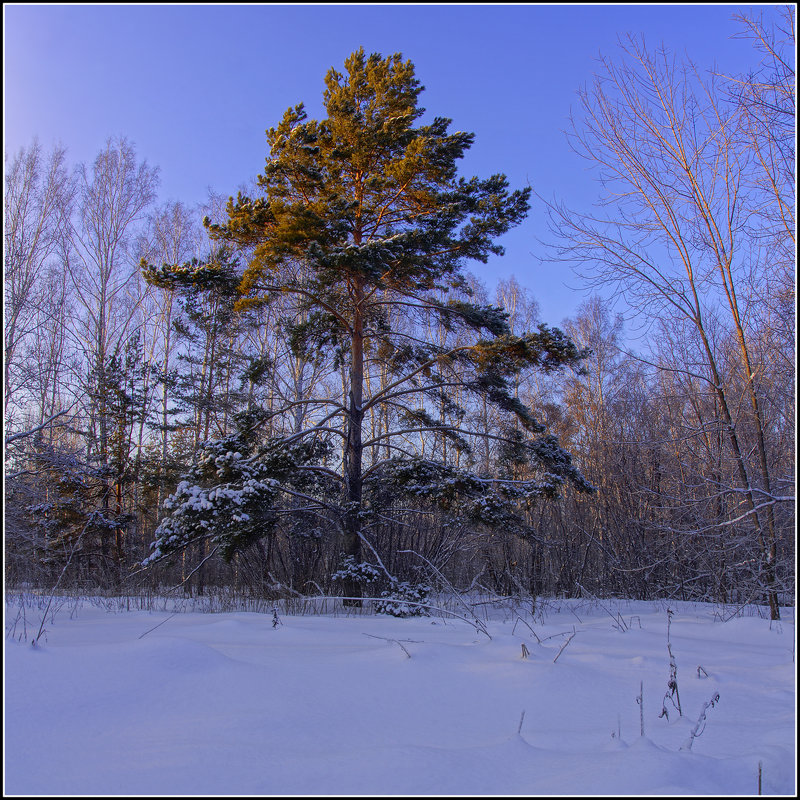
114	387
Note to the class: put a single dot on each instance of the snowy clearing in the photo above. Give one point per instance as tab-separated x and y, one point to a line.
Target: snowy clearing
113	702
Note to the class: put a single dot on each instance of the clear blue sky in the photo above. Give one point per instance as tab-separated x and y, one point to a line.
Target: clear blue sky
195	87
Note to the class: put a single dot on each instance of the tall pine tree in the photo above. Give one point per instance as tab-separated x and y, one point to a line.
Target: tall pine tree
362	214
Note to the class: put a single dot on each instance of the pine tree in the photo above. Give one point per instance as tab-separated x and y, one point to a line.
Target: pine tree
363	214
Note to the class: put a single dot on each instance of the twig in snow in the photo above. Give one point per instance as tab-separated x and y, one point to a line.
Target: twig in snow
572	611
672	685
640	701
12	630
619	622
385	639
519	619
563	646
553	635
61	575
478	624
700	725
159	624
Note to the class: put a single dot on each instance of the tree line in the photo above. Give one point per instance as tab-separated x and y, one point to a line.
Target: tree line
305	391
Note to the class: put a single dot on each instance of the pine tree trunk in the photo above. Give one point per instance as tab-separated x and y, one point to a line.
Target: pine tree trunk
354	448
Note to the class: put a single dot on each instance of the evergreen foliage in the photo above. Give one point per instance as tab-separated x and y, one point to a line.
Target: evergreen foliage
230	493
398	598
366	226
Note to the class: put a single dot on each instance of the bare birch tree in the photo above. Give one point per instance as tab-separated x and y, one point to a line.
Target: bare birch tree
113	195
38	195
673	238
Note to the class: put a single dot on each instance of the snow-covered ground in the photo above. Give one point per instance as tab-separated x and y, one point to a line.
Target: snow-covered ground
112	702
